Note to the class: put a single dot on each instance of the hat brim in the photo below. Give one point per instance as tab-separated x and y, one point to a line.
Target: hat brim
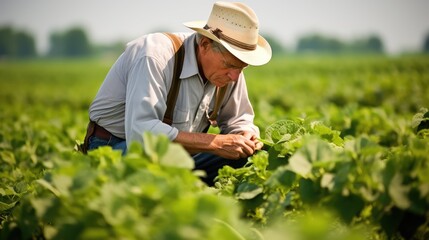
260	56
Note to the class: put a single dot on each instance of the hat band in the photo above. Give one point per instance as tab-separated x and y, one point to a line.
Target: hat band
218	33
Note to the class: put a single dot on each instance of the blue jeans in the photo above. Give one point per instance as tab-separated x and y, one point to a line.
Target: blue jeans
208	162
114	142
211	164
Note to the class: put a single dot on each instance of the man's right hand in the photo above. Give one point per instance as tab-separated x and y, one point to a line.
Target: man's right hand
232	146
229	146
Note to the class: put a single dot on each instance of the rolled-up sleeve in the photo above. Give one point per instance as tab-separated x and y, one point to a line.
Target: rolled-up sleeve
237	114
145	101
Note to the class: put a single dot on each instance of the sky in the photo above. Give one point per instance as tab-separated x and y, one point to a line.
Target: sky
401	24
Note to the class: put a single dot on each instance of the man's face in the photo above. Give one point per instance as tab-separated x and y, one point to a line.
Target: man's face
221	68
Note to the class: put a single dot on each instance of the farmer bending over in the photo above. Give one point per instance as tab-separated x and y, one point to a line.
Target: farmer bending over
211	90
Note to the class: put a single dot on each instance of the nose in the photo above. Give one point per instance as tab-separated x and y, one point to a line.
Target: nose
233	74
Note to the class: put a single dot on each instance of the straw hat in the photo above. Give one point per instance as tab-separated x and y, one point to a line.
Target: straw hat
236	27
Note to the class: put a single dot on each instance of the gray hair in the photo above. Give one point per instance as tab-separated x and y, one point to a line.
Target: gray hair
217	47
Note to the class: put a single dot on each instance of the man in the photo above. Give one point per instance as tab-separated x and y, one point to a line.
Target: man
132	98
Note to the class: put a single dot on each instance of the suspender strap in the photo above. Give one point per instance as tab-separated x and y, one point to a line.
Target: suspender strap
220	93
179	56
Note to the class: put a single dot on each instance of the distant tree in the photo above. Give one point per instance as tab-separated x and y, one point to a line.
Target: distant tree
109	50
375	45
371	44
76	43
322	44
309	43
16	44
426	44
276	46
72	43
56	45
319	43
25	45
6	41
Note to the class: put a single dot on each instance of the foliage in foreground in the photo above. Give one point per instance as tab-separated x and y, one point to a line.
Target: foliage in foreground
308	182
383	190
349	162
144	195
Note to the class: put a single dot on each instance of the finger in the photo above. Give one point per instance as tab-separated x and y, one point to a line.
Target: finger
249	135
248	150
232	152
248	140
242	141
243	154
259	145
238	154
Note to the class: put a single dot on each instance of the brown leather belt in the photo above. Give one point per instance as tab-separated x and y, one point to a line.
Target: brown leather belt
102	133
96	130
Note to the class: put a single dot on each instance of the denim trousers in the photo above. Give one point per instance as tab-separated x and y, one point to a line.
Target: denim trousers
114	142
207	162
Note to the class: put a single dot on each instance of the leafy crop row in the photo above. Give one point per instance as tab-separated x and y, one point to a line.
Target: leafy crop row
345	157
309	167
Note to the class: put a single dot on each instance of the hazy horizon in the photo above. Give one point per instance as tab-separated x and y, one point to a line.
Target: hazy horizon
402	25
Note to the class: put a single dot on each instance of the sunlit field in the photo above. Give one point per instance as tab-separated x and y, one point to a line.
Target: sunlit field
345	157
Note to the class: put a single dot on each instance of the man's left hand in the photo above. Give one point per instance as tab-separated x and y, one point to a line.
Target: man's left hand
252	136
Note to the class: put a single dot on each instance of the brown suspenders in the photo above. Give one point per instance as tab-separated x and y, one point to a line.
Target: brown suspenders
179	56
175	85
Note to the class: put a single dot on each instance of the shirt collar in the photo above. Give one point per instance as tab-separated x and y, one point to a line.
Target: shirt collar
190	65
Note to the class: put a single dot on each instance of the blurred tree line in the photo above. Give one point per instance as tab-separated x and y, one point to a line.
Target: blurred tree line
323	44
74	42
16	44
71	43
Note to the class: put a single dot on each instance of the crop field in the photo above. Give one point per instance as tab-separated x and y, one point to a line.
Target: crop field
346	156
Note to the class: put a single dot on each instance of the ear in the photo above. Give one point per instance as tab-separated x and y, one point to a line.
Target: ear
204	44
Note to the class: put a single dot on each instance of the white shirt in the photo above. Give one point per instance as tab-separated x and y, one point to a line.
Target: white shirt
132	98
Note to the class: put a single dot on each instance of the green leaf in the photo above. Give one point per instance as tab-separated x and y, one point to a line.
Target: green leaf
266	142
49	187
313	152
282	176
398	192
299	164
327	181
233	233
42	207
248	191
8	157
309	191
419	118
274	160
327	133
6	206
155	146
176	156
391	220
260	160
62	183
347	207
251	204
281	130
